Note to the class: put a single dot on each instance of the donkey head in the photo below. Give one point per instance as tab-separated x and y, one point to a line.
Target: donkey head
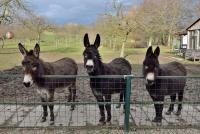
151	65
91	54
30	64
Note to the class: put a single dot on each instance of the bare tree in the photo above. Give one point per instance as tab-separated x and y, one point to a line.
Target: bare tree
37	24
10	9
161	19
117	24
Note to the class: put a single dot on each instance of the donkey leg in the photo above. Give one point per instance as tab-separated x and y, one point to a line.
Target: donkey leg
120	99
180	99
158	109
101	109
70	95
45	113
51	106
73	88
171	107
108	107
124	94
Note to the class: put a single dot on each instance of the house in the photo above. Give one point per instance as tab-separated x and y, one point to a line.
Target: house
190	39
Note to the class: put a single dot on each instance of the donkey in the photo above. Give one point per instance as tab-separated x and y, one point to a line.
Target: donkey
103	88
34	68
159	88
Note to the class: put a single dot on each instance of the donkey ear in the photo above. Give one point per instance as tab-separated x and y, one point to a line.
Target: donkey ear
149	51
157	52
36	50
86	40
22	49
97	41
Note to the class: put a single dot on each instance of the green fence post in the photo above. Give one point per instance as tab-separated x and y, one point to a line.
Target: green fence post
127	102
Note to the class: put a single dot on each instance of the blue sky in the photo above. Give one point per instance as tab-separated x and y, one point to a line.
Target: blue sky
73	11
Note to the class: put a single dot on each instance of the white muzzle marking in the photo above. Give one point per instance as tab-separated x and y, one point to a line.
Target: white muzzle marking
150	76
28	78
89	63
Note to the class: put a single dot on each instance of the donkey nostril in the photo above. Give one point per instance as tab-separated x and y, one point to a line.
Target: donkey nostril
88	66
26	84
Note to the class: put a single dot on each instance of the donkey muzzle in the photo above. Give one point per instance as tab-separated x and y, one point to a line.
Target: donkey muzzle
28	80
89	68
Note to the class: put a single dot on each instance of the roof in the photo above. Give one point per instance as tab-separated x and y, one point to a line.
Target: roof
182	33
193	24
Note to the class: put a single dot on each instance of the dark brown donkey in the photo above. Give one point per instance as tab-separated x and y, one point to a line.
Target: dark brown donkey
103	88
34	68
159	88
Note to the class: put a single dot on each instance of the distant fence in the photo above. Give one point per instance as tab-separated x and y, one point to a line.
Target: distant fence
20	107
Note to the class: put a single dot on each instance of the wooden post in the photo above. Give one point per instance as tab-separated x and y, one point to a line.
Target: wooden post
3	43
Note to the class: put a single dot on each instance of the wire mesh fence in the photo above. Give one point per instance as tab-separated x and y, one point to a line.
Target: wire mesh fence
143	111
21	108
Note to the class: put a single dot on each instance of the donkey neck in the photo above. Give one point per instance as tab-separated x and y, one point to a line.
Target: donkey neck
45	68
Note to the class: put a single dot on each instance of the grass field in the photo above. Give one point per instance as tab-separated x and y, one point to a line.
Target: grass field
55	47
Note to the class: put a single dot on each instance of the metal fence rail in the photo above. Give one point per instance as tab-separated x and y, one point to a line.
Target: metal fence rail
20	107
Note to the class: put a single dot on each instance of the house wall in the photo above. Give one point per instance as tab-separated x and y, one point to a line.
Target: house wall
198	40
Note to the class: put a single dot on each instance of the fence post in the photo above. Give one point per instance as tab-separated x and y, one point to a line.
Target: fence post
127	102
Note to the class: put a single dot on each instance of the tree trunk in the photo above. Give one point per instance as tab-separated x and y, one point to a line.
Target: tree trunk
123	45
39	37
169	40
150	41
3	43
122	50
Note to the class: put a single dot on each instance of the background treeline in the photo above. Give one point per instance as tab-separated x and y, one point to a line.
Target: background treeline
155	22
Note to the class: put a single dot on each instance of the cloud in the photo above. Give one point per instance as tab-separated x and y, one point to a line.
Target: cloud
72	11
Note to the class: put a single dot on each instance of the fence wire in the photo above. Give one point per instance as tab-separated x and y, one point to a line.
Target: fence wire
20	108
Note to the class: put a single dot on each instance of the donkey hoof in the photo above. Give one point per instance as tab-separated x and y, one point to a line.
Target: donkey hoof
108	123
43	119
168	113
102	120
51	123
108	119
72	108
157	120
101	123
118	106
178	113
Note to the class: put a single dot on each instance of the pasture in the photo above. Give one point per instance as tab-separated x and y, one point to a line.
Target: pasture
54	47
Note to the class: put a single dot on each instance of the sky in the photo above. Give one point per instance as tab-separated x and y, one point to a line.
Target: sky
74	11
